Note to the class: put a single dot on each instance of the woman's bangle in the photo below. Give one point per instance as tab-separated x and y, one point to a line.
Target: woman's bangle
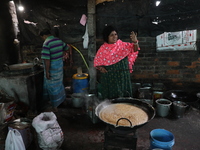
99	68
136	42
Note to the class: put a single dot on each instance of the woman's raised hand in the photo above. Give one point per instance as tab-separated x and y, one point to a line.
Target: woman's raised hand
133	37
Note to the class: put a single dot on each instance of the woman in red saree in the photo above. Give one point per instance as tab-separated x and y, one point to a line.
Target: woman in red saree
114	60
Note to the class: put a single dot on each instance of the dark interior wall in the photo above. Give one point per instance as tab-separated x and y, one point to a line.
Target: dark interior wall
61	17
176	69
126	15
124	19
174	15
9	54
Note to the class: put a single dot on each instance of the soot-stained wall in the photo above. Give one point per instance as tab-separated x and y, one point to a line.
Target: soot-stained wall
9	53
127	16
62	17
178	70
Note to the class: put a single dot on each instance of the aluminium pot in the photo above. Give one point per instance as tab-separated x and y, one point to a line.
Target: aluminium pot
178	95
19	69
22	66
77	100
149	109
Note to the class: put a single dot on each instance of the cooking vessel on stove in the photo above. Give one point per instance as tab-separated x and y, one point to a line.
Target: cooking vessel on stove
21	66
135	102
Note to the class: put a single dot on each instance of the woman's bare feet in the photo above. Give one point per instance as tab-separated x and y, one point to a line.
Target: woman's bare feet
51	109
55	109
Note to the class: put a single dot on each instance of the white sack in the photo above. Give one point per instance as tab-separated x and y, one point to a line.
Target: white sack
50	135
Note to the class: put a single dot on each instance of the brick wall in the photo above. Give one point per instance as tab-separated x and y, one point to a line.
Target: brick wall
177	69
29	52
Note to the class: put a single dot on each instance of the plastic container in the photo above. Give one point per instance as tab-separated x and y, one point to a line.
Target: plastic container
80	83
163	107
157	95
161	139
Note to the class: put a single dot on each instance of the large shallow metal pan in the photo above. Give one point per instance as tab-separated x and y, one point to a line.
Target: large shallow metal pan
19	66
149	109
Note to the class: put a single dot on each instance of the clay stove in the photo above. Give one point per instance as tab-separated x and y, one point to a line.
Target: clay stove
123	136
23	86
120	138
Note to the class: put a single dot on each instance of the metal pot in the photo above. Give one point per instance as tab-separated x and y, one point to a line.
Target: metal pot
179	95
21	66
77	100
135	102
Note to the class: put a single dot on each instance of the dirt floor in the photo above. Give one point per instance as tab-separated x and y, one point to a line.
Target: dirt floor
80	133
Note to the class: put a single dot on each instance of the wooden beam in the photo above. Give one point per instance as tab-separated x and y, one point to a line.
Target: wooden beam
91	22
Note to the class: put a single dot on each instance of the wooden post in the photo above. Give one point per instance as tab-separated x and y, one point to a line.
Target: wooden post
91	22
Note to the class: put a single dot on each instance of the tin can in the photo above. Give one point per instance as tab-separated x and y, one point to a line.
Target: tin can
157	95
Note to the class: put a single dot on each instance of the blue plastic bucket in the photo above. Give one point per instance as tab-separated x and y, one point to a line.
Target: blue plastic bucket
161	138
80	83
